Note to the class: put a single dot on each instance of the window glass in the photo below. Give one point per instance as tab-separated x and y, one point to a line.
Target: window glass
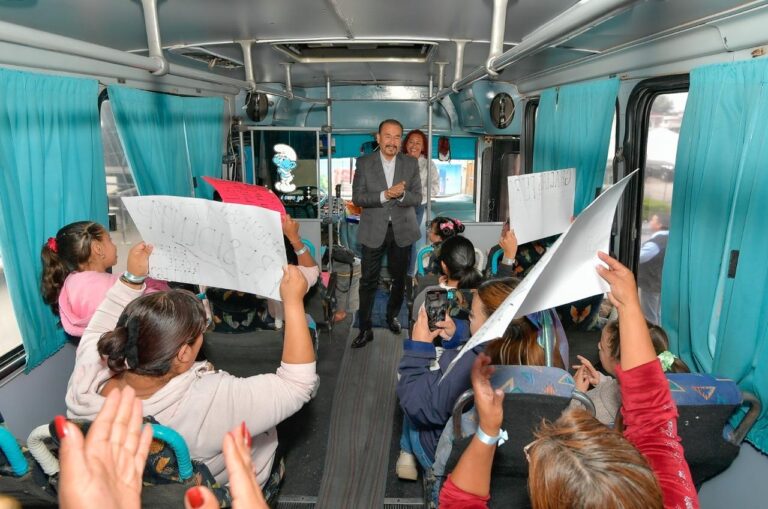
608	178
10	336
666	115
120	183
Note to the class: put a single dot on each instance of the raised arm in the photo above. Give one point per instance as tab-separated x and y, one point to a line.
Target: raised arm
470	483
636	346
297	345
291	231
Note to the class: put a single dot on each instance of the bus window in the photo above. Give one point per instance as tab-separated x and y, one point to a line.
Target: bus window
10	336
119	183
608	178
666	115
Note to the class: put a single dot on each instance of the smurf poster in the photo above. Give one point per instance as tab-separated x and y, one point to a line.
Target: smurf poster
285	160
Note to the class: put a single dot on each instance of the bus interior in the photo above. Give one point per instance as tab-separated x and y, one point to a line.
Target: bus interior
500	87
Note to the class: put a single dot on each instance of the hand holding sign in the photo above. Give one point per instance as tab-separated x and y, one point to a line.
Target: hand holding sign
247	194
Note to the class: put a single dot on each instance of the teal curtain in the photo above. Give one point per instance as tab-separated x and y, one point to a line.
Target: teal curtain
204	126
717	321
573	130
150	126
51	174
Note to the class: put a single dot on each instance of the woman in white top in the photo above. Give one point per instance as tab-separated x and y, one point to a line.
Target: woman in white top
415	145
150	343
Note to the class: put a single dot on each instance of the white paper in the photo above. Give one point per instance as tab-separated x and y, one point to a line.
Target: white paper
564	274
541	204
225	245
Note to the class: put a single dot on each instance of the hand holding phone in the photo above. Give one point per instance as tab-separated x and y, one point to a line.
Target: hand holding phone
436	305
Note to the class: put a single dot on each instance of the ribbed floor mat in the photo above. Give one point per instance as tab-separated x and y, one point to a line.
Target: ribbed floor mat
357	457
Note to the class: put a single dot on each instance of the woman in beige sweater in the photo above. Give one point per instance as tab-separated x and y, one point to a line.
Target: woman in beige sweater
150	344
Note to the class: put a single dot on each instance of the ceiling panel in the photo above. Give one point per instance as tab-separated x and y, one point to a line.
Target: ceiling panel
651	17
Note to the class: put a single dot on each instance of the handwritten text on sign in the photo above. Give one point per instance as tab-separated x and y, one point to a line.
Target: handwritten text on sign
541	204
238	247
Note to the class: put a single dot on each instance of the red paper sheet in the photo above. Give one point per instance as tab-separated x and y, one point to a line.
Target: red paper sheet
246	194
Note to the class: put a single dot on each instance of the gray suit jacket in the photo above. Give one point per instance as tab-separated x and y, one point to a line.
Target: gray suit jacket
367	186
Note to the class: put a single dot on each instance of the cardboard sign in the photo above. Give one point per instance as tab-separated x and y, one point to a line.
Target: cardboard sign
226	245
541	204
247	194
564	274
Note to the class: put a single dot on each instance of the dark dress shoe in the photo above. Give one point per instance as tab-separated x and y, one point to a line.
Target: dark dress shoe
362	339
394	325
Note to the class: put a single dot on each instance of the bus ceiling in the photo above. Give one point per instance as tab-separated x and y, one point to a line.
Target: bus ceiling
283	48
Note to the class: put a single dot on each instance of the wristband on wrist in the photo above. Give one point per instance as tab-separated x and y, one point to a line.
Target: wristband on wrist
132	278
301	251
498	440
508	261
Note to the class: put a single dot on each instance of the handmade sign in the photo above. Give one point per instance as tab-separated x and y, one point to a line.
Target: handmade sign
541	204
246	194
565	273
226	245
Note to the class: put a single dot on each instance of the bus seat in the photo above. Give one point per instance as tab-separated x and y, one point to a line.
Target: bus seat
169	471
21	477
423	252
532	393
15	463
705	405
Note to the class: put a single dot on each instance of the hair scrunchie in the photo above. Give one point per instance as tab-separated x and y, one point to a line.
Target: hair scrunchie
666	358
52	244
132	344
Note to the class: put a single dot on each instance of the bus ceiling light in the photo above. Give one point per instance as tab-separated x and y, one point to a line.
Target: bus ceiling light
153	36
574	21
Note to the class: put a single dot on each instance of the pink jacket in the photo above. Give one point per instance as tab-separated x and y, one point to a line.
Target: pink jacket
83	292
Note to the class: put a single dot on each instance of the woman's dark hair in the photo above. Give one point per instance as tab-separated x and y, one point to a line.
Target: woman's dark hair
658	338
458	255
290	254
65	253
446	227
519	346
419	133
151	330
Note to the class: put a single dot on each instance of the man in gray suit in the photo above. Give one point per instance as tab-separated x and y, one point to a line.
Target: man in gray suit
388	188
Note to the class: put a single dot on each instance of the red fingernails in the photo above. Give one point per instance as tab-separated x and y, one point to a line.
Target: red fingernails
195	497
60	422
246	434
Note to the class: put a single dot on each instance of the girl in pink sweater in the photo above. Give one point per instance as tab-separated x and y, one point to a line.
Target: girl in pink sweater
75	278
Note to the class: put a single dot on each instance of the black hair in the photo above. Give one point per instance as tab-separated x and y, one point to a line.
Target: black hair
446	227
458	255
391	121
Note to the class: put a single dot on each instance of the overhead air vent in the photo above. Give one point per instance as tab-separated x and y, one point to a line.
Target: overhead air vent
312	52
209	57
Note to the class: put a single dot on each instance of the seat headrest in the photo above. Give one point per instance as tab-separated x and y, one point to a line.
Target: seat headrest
544	380
703	389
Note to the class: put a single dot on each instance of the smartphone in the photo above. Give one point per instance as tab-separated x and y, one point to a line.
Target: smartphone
436	305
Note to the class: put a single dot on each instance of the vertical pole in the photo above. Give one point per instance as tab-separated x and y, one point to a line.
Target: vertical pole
242	155
428	215
253	159
329	122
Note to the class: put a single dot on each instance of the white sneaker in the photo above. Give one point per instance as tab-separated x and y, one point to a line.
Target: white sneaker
406	467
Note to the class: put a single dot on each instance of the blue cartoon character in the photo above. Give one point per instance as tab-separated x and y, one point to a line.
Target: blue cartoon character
285	160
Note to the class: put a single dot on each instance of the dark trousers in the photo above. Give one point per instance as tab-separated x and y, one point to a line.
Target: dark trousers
398	259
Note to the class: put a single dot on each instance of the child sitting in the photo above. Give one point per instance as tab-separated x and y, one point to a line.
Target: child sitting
606	394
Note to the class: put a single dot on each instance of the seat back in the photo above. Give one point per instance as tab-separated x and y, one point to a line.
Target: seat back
705	405
532	393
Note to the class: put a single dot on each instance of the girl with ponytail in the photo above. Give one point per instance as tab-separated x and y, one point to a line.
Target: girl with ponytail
75	277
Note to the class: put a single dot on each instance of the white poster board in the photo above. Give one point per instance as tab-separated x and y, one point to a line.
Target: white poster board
541	204
226	245
564	274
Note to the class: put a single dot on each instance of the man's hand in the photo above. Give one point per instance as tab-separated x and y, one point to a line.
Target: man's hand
395	191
